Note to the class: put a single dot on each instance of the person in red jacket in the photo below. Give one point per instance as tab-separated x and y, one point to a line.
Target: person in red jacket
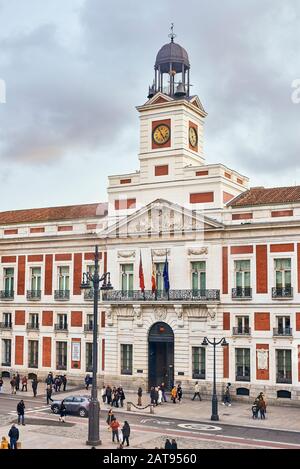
115	429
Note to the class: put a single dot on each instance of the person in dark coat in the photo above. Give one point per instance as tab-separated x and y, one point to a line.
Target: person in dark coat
179	393
49	394
17	382
262	408
34	385
14	436
173	444
152	395
49	379
64	382
21	412
108	395
87	381
121	396
115	397
163	390
62	412
156	395
140	394
168	444
126	433
110	417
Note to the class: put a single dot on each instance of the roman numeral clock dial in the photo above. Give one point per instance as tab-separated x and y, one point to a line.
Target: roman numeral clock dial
193	137
161	134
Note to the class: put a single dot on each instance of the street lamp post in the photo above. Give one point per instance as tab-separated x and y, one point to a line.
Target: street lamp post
214	401
94	280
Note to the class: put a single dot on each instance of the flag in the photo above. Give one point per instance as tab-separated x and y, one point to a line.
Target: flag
141	275
166	275
153	278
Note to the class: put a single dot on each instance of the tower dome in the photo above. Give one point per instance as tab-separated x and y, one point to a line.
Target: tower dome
172	53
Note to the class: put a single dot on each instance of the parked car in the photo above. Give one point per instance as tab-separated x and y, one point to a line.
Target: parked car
74	405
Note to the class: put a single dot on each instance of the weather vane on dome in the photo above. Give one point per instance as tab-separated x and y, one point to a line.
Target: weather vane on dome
172	35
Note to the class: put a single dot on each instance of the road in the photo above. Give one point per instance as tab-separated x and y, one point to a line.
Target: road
37	411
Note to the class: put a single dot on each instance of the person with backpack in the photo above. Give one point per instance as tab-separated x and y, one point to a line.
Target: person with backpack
14	436
126	433
21	412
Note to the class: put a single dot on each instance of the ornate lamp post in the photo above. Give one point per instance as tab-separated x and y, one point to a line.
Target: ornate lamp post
93	281
214	402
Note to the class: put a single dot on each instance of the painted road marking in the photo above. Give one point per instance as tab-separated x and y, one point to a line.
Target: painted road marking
199	426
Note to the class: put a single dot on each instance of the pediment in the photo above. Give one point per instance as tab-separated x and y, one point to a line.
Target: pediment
195	101
162	218
159	98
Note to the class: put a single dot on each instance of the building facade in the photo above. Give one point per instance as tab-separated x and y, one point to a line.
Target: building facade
193	252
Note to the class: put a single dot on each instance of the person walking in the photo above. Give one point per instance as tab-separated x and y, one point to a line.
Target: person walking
13	385
108	395
115	397
262	408
173	444
87	381
196	392
163	390
156	395
179	393
227	398
21	412
24	384
110	417
152	395
121	396
17	382
174	394
140	394
126	433
103	394
49	380
64	382
62	412
168	444
4	443
13	436
34	385
115	429
49	394
1	384
159	400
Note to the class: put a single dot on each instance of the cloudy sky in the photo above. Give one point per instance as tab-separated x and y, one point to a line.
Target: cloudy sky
76	69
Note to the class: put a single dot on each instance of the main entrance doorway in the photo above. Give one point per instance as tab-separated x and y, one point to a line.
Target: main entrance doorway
161	355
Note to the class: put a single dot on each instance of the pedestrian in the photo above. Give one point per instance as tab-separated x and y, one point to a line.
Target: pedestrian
163	390
173	444
1	384
110	417
140	394
17	382
255	409
34	385
13	385
87	381
4	443
59	383
108	395
49	394
168	444
121	395
159	400
152	395
196	391
21	412
62	412
126	433
64	382
156	395
174	394
115	429
179	393
24	383
103	394
14	436
115	397
262	408
227	398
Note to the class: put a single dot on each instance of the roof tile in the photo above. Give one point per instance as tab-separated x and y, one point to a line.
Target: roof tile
269	196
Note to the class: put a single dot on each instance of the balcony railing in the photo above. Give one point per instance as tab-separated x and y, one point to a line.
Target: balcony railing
283	379
241	331
242	378
62	295
6	325
34	295
198	375
61	367
30	326
33	365
89	328
7	294
6	364
244	293
89	294
61	327
282	332
282	292
161	295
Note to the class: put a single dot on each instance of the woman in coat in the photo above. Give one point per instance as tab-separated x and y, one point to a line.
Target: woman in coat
62	412
110	417
126	433
174	394
140	394
179	393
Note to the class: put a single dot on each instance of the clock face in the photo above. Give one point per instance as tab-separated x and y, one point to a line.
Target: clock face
161	134
193	136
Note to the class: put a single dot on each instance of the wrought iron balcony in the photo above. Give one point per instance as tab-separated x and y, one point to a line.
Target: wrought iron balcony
161	295
283	379
30	326
61	327
61	367
89	328
242	378
89	294
7	294
34	295
6	325
62	295
242	293
6	364
198	375
33	365
241	331
282	292
282	331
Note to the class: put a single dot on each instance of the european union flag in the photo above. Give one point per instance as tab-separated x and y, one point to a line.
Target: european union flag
166	275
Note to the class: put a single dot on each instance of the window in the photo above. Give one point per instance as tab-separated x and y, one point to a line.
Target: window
127	277
9	280
159	270
36	279
91	271
284	366
61	355
242	277
90	321
283	325
242	364
126	359
283	273
62	321
198	362
6	352
89	356
242	323
33	353
7	320
63	278
34	321
199	275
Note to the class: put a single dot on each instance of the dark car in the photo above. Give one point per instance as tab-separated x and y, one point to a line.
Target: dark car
74	405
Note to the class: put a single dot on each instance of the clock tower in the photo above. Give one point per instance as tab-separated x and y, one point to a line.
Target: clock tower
171	121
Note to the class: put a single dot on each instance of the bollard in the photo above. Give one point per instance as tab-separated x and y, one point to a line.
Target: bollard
151	409
129	406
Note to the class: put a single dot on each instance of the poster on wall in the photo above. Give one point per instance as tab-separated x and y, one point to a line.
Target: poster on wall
262	359
75	351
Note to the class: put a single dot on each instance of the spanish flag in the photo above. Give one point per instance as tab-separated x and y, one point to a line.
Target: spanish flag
141	275
153	278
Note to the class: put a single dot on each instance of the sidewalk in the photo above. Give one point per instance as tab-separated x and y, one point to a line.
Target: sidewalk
41	390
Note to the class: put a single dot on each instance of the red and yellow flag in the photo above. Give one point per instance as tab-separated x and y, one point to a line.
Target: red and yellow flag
153	278
141	275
